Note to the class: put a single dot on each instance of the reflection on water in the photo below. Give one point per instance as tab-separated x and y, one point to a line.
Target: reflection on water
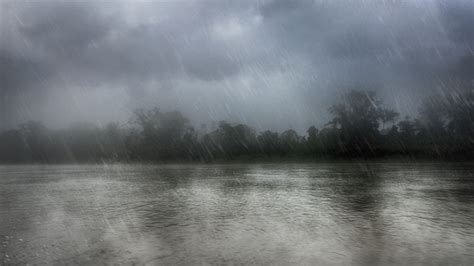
384	213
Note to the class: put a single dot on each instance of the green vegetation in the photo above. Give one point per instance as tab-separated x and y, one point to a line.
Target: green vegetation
360	127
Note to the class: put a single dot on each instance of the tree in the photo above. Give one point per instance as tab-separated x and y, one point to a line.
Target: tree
269	142
161	132
313	139
387	116
83	142
113	141
460	113
357	120
289	141
37	140
238	139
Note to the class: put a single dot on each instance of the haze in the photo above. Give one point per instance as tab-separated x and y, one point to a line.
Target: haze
270	64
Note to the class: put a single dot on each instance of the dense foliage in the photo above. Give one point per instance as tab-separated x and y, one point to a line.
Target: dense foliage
360	126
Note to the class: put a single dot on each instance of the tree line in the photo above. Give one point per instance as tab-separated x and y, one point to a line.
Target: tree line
360	127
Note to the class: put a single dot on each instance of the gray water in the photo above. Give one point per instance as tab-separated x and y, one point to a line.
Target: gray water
340	213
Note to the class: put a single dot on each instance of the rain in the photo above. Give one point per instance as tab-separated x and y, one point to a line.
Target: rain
236	132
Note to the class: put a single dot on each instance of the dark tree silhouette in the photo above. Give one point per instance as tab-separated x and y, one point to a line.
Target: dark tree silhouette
161	133
387	116
357	120
269	143
444	128
313	140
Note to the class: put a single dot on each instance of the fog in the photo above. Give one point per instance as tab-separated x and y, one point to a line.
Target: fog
270	64
192	132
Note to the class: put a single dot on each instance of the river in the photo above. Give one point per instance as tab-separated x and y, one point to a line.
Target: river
284	214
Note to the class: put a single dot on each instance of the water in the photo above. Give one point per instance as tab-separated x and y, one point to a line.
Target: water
340	213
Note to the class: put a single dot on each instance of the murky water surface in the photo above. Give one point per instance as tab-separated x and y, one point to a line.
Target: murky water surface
349	213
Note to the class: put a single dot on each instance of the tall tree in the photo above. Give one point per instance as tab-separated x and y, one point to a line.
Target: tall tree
356	118
162	132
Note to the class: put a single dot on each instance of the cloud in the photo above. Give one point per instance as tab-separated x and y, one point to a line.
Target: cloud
17	72
458	18
64	26
240	60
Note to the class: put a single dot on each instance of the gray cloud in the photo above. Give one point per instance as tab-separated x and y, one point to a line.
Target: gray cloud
458	18
270	63
21	72
64	26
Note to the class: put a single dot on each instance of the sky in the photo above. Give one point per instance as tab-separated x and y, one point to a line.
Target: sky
273	64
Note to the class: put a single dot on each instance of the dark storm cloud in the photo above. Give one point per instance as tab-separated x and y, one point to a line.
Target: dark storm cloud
85	43
19	72
65	26
458	18
231	59
347	31
403	46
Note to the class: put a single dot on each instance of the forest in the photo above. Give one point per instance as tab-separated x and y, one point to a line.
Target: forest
360	127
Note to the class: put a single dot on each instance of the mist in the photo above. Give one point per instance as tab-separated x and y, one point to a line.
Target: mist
237	132
270	64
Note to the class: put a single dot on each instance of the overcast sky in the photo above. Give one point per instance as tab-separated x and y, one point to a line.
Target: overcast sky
271	64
